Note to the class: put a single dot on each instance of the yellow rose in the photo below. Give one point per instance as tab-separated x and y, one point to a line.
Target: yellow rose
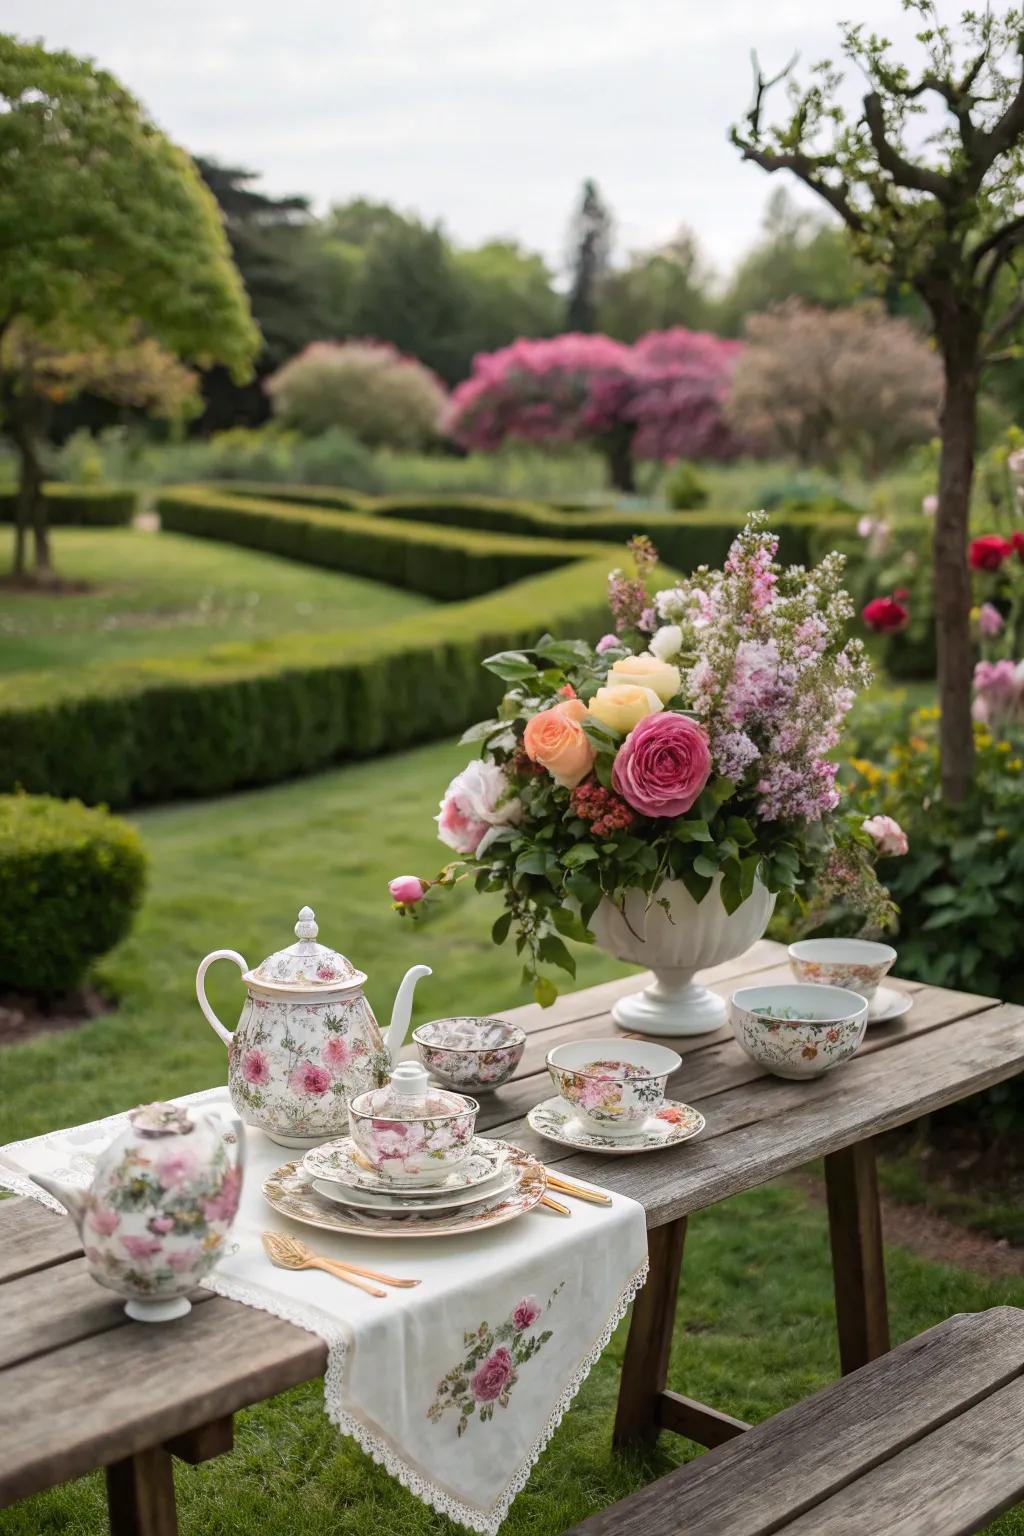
624	705
647	671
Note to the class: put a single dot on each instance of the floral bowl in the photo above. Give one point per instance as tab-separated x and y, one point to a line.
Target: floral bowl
799	1030
478	1054
613	1085
858	964
413	1140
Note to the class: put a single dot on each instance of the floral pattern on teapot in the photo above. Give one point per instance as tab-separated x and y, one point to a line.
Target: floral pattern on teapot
293	1067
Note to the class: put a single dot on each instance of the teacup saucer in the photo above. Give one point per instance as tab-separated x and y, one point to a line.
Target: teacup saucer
340	1162
396	1204
888	1004
673	1123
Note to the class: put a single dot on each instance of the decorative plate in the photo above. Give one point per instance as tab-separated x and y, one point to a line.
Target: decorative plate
888	1004
412	1200
670	1125
290	1193
341	1162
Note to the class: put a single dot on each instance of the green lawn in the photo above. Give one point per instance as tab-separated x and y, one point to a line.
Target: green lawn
159	594
755	1325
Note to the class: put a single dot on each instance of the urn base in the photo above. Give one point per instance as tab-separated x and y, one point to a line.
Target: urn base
302	1142
673	1006
148	1310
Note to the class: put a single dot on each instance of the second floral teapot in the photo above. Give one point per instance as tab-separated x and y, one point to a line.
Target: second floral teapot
307	1041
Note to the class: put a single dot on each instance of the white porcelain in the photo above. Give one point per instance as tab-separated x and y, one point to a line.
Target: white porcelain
612	1085
859	964
674	945
163	1196
412	1132
341	1162
799	1029
307	1041
394	1203
470	1054
673	1123
888	1004
290	1192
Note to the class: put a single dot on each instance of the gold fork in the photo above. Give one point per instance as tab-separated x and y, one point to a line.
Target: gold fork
291	1253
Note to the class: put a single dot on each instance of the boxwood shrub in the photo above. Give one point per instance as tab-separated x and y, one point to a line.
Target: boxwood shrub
446	563
258	712
71	879
83	506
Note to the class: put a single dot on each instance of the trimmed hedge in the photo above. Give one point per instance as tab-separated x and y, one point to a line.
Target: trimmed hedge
70	882
255	713
443	563
297	495
83	506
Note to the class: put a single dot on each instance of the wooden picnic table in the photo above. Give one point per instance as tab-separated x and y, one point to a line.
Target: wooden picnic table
82	1387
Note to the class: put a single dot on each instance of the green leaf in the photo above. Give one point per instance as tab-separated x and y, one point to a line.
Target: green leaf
510	665
740	830
481	731
705	866
695	831
553	951
564	653
582	853
502	924
697	885
536	861
544	991
570	925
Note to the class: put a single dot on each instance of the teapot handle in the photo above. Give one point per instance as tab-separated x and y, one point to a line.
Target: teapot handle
204	1003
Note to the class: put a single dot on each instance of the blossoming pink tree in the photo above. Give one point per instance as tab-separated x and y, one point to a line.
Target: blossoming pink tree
662	398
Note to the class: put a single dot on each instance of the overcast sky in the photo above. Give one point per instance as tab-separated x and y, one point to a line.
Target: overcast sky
484	115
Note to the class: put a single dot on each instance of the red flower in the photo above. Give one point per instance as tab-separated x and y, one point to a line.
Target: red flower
1017	539
901	594
885	615
567	691
989	552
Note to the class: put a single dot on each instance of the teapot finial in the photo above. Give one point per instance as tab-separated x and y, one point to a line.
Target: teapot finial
306	927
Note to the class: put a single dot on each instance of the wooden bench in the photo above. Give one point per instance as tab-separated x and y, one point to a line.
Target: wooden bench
928	1440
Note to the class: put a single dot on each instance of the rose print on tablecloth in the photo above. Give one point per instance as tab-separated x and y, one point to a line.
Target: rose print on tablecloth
489	1369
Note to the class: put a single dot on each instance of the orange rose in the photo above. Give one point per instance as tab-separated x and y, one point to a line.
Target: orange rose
555	739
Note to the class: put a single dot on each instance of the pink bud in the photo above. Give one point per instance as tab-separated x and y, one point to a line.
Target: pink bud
407	890
607	643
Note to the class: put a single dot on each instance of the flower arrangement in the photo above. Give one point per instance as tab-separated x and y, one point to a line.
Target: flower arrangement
690	744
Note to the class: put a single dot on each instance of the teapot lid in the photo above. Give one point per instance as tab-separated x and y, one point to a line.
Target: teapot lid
306	966
410	1095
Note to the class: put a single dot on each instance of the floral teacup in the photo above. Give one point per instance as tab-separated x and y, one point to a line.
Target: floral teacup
478	1054
613	1085
858	964
410	1132
798	1030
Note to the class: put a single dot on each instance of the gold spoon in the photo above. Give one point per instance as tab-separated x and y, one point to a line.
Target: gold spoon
289	1253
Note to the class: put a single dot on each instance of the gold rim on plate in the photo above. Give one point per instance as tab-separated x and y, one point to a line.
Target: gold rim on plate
289	1191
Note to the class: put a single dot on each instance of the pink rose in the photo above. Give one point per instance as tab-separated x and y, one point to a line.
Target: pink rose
490	1378
336	1055
889	837
161	1224
141	1248
525	1313
104	1220
990	620
407	890
223	1205
255	1068
184	1258
176	1168
663	765
310	1079
477	804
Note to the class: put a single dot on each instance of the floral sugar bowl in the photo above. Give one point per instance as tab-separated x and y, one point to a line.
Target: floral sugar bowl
162	1199
411	1132
307	1041
470	1053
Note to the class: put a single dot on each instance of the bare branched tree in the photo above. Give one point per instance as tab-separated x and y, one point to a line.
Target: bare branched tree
927	178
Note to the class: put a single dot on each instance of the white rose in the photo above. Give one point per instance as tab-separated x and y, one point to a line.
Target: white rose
666	642
476	805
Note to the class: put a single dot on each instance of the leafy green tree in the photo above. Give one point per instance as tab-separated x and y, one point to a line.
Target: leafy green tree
657	290
106	226
798	256
506	292
590	252
408	294
935	205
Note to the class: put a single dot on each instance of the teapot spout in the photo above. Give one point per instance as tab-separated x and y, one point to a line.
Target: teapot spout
73	1200
401	1013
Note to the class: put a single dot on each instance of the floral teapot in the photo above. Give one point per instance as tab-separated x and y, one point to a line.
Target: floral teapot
163	1196
307	1040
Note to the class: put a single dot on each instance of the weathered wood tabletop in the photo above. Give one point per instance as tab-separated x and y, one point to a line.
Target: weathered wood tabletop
83	1387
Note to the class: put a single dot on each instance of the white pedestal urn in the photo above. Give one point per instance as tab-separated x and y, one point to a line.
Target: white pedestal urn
696	935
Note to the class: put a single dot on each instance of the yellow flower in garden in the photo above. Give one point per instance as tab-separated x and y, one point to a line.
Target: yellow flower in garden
1003	747
624	706
1014	766
646	671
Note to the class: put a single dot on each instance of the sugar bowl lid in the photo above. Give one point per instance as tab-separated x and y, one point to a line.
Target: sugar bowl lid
410	1095
305	966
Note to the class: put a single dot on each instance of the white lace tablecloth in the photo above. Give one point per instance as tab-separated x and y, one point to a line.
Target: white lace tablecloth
509	1320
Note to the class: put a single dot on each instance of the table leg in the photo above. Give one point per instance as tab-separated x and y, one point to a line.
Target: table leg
140	1495
649	1345
858	1265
